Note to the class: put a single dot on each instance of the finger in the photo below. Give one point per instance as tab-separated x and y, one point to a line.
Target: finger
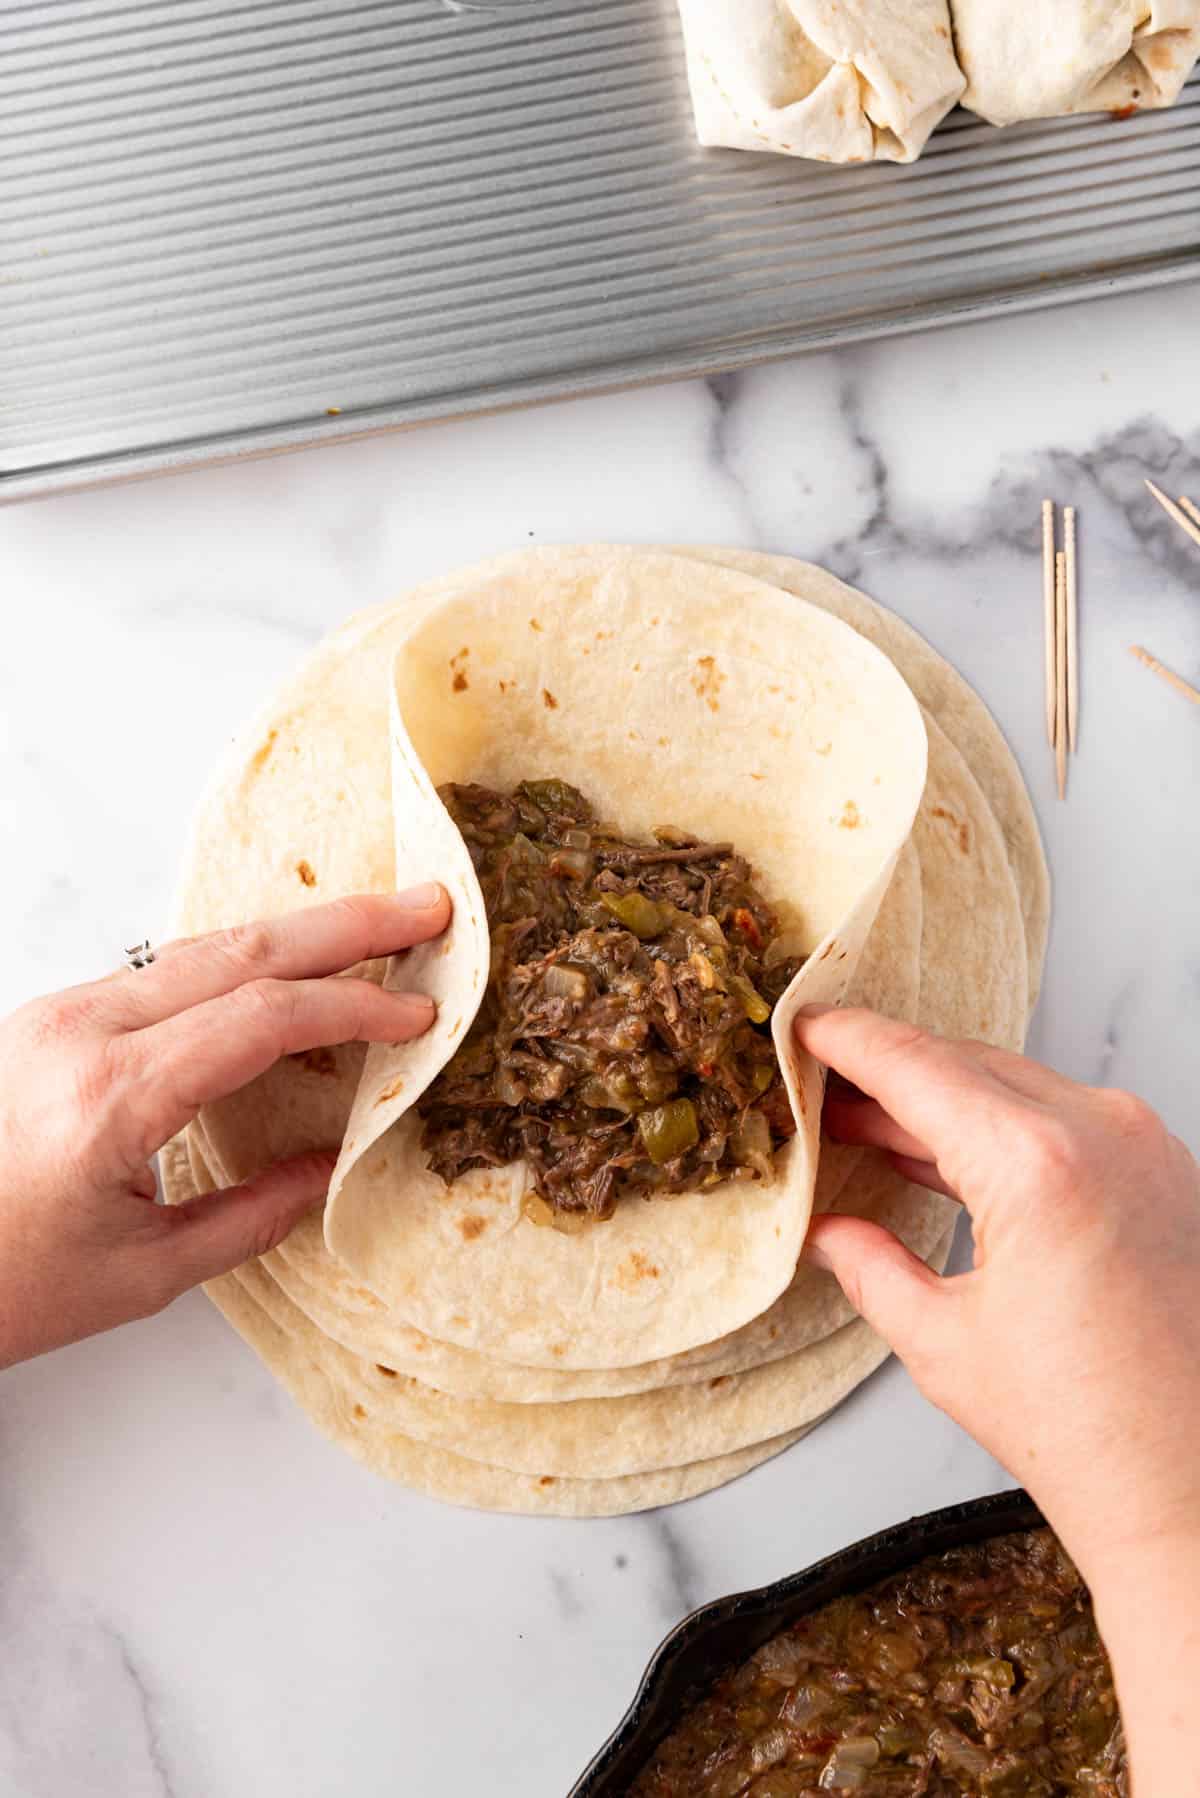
305	945
175	1067
865	1123
934	1090
210	1235
885	1282
924	1173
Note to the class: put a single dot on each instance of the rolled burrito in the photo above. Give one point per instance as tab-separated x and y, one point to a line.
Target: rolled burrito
1031	62
857	82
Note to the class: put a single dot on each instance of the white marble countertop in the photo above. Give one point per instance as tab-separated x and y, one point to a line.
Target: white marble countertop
200	1599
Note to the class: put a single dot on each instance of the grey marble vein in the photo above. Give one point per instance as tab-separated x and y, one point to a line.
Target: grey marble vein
679	1587
147	1710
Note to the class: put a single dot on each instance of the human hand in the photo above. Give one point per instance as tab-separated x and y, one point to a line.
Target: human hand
95	1080
1072	1350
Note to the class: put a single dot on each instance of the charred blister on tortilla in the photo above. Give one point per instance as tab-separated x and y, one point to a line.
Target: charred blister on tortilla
622	1046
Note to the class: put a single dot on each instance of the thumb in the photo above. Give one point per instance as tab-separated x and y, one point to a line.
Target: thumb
210	1235
886	1283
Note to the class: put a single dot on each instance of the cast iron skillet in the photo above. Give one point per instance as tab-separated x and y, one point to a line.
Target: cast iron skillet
730	1629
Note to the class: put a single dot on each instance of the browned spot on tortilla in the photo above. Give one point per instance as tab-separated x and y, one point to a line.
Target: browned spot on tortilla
758	777
460	1323
261	755
773	1332
503	685
827	950
823	748
460	682
547	1479
664	742
801	1095
389	1372
548	700
390	1092
534	625
316	1061
774	689
849	819
634	1270
358	1411
420	1344
558	1350
773	730
722	1379
472	1226
957	824
637	667
305	871
708	681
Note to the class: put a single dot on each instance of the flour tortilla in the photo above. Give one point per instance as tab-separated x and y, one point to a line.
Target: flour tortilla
837	80
1024	61
601	1438
812	1308
742	714
949	700
354	1406
965	885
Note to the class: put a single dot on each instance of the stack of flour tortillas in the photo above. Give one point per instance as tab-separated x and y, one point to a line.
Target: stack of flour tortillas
867	80
439	1333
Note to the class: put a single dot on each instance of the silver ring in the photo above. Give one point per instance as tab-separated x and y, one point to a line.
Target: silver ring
140	956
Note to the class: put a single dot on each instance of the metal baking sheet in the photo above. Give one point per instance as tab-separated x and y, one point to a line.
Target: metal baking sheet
233	226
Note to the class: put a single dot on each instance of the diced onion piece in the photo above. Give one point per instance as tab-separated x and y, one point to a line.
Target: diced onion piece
769	1749
751	1143
849	1764
703	969
575	864
510	1090
535	1208
561	981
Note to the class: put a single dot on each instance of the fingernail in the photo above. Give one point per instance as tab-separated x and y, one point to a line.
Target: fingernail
418	1002
838	1087
422	898
815	1255
815	1011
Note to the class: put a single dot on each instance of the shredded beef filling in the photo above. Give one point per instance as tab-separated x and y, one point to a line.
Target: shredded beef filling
623	1043
976	1674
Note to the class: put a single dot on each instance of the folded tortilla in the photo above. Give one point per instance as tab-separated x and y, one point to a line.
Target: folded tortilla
1024	61
669	692
836	80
